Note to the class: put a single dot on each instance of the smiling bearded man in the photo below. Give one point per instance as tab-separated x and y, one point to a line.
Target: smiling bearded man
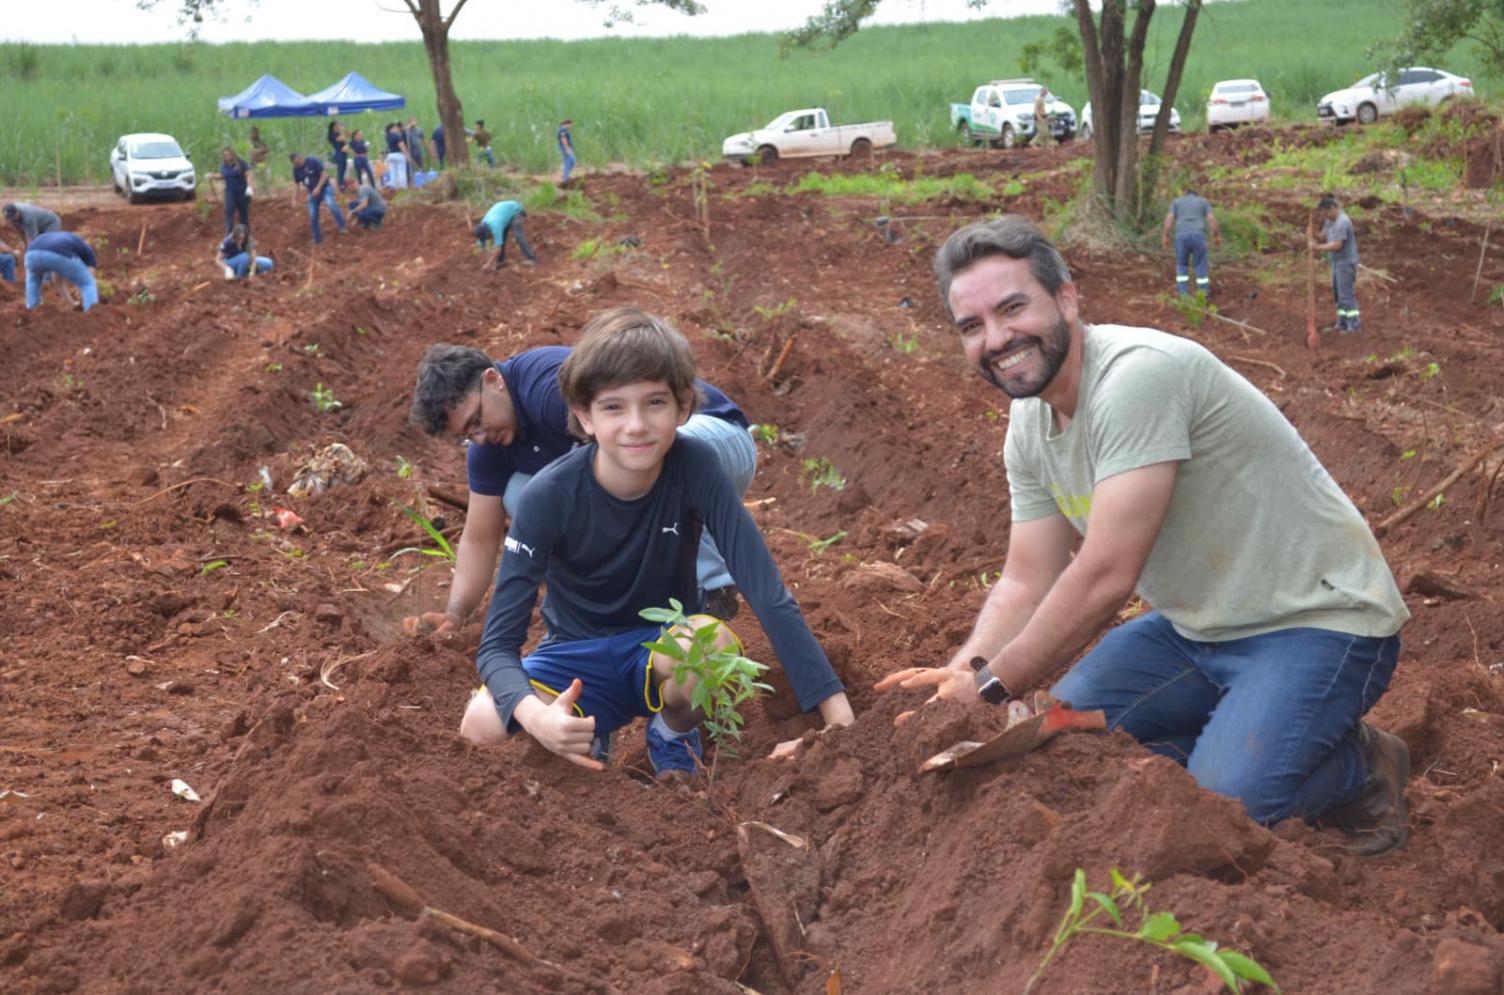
1276	620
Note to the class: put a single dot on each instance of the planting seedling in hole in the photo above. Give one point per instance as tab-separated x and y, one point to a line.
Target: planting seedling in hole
514	422
645	487
324	400
442	550
1147	435
821	472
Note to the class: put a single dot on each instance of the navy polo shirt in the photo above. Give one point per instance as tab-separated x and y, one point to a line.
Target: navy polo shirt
532	379
310	172
235	176
64	243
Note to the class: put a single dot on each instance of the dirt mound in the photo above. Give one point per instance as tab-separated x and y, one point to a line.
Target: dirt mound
162	625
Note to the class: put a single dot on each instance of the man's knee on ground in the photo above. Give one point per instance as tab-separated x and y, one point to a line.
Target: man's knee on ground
1266	798
481	724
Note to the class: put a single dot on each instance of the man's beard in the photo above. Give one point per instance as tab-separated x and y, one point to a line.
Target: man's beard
1053	349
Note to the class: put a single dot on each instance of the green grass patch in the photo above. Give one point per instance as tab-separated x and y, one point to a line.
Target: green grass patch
890	186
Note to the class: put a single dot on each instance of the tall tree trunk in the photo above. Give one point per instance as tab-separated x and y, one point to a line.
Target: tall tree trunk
1167	104
435	28
1102	49
1125	192
1096	91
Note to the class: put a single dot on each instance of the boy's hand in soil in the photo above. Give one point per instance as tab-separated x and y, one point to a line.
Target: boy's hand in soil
555	726
835	710
439	625
948	682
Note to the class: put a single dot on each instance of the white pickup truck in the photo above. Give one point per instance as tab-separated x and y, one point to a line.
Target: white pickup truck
807	132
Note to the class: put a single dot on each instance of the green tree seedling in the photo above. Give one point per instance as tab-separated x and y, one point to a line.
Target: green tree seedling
1157	929
724	678
442	550
324	400
821	472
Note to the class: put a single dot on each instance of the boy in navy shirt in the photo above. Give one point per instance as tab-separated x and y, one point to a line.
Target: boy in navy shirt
612	528
514	417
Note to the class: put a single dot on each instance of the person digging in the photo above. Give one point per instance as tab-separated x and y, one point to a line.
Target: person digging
1275	622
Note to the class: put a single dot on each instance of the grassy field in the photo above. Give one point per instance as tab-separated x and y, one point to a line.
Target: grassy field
646	100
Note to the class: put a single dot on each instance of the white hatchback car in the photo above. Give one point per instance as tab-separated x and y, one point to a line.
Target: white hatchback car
1375	96
1148	110
1234	102
152	165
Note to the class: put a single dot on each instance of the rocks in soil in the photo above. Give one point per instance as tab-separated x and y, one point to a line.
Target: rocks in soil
784	881
84	899
1466	969
881	578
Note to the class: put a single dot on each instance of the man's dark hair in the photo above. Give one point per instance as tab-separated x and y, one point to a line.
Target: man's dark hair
445	375
482	232
12	212
1326	203
294	156
1013	236
622	346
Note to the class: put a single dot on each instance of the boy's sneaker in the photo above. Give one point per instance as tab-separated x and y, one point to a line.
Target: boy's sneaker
1378	817
723	603
671	751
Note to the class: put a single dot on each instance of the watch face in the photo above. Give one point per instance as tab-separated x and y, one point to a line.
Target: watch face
993	692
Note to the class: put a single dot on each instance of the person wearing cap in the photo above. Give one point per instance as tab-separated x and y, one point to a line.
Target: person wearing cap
566	149
1340	242
503	217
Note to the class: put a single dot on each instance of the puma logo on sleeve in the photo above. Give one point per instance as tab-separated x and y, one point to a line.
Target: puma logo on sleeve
674	528
518	547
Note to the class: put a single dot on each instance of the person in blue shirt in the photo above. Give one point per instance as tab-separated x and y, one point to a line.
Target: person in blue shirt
7	263
65	254
516	422
236	174
309	172
368	209
397	159
340	151
611	528
503	217
360	149
566	149
237	252
440	149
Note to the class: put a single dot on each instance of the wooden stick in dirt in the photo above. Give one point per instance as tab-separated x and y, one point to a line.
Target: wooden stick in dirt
446	498
1373	272
1258	362
182	484
783	354
1234	321
409	902
1312	337
1429	496
1482	251
141	242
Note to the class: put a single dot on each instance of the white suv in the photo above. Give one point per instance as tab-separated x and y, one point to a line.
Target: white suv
1375	96
151	164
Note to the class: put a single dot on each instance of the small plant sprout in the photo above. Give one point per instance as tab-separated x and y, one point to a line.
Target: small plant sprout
818	546
775	311
1408	454
821	472
1431	370
404	468
311	348
443	550
324	400
211	566
1157	929
724	679
1192	308
906	344
1436	502
274	367
768	434
1398	494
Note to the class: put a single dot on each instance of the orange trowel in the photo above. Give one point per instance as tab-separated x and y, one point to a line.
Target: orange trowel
1019	738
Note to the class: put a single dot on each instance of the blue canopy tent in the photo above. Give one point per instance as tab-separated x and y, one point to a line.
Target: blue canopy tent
354	94
269	97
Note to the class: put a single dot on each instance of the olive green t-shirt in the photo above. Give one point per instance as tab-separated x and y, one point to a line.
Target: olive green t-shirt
1258	536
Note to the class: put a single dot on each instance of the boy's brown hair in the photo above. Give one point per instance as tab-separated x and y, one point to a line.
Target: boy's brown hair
622	346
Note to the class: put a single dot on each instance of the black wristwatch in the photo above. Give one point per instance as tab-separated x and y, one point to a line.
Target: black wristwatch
992	690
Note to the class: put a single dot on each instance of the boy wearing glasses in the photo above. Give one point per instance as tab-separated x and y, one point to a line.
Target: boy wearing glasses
515	420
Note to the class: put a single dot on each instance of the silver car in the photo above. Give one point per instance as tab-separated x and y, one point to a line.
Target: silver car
152	165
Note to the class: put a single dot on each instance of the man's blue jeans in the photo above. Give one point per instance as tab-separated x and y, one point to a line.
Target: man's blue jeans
1190	252
327	197
514	228
237	203
366	217
7	267
1270	720
40	262
240	265
568	165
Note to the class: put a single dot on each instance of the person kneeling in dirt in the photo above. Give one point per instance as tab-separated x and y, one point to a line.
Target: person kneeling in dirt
236	253
368	209
66	255
516	421
503	216
612	528
1276	620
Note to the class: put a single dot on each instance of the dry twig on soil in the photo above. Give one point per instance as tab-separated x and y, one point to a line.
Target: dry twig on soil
1430	495
1258	362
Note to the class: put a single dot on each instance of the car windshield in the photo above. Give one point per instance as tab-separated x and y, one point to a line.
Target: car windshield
1236	87
1148	98
1020	96
156	150
1372	79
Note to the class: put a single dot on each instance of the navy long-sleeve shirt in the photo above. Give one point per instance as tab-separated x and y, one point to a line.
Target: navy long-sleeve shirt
605	559
64	243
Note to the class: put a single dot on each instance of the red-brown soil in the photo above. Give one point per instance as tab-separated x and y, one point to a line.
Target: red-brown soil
130	436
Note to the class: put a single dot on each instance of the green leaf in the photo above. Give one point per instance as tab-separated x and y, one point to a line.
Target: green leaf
1247	967
1159	927
1119	883
1202	952
659	615
209	568
668	648
8	498
1078	892
1108	904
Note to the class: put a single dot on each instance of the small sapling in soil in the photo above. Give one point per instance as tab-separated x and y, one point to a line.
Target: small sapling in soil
443	550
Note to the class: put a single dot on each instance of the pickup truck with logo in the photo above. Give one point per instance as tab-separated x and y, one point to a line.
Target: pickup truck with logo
1001	113
807	132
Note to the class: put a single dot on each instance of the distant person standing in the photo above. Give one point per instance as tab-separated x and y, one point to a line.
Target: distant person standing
415	147
1340	242
440	150
235	173
503	217
395	175
482	138
68	256
237	254
360	149
566	149
1043	136
340	150
259	152
368	209
1191	216
309	172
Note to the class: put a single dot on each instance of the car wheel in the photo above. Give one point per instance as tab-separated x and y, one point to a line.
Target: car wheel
190	194
1367	113
767	154
964	135
861	149
1006	139
132	197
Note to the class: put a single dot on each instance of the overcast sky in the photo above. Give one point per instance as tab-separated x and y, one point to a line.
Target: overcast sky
120	22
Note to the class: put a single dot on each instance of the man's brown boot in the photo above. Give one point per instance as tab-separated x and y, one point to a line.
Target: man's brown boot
1377	819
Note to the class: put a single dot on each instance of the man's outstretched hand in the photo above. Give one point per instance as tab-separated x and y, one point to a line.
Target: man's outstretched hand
948	682
560	731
